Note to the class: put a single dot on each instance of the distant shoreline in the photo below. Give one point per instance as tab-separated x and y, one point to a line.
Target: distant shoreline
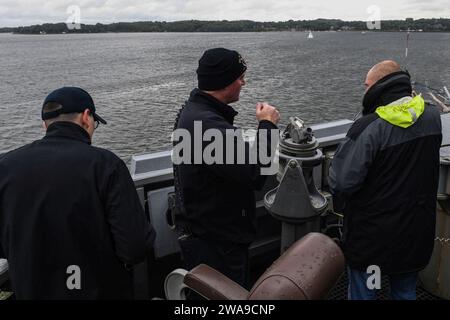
217	32
198	26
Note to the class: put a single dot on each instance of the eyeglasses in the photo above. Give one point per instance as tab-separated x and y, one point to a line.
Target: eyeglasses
96	122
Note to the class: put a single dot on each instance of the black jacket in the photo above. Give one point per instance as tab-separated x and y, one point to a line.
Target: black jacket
64	202
218	199
385	176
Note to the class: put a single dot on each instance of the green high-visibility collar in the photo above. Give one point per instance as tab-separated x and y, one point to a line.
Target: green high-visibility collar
403	115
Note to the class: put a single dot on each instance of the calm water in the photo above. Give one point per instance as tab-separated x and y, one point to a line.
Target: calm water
139	81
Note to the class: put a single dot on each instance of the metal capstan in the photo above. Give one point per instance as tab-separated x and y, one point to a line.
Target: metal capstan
296	201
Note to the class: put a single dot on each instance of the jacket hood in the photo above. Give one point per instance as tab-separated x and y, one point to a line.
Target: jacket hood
402	115
386	90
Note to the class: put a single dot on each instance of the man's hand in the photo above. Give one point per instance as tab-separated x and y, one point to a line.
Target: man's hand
265	111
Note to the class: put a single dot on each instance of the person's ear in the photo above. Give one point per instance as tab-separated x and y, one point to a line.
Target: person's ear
87	122
85	118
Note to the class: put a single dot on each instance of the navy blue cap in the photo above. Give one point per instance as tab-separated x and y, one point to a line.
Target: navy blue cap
72	100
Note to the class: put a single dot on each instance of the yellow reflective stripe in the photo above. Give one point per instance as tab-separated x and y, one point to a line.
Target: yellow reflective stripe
413	114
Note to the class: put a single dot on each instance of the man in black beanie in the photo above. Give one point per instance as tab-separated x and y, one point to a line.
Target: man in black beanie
216	201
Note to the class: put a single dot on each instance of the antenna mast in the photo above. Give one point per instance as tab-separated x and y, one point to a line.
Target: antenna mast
406	49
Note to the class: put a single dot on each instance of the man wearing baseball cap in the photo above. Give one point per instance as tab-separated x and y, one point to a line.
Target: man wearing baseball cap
216	202
69	100
71	224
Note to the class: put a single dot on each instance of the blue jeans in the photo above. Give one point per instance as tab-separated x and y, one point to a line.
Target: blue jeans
403	286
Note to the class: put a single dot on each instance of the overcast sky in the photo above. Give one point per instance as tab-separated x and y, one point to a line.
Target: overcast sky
26	12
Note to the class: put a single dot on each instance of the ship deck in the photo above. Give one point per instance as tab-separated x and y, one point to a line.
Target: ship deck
339	292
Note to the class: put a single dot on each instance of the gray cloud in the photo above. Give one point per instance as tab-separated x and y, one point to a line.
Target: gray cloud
438	7
26	12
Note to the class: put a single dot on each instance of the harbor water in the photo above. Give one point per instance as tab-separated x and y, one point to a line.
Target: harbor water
140	80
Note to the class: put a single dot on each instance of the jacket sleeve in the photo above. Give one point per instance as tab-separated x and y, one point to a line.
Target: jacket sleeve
132	234
351	164
249	172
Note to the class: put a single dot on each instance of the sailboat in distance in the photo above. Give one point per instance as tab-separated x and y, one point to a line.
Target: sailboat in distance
310	35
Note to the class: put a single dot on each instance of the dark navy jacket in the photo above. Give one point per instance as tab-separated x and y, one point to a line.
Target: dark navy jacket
386	177
64	202
218	199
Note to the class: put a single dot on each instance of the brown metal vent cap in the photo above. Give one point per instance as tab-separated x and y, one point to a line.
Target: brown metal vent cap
308	270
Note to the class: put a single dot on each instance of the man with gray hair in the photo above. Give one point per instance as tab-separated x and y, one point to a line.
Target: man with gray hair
384	178
71	224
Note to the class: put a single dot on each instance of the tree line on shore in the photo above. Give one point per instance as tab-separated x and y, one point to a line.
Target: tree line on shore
426	25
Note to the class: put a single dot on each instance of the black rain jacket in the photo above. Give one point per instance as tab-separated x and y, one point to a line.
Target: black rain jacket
66	203
385	179
219	199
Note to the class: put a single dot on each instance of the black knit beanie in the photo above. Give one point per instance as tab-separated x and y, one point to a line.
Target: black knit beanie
218	68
